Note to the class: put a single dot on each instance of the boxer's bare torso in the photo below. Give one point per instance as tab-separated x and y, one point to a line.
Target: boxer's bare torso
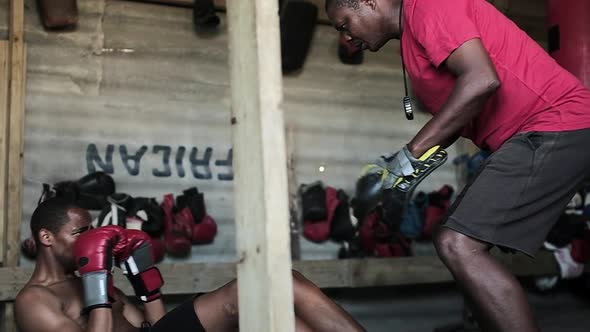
66	297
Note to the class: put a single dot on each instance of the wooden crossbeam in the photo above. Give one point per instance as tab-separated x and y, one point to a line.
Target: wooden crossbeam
222	4
520	8
529	15
349	273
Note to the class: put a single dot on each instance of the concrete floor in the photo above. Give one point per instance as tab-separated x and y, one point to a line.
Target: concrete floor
421	309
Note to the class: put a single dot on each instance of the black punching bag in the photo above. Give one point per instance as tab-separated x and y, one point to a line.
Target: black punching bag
569	36
298	20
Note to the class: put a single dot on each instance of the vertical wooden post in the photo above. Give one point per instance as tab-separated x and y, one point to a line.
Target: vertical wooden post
293	197
4	60
16	127
265	288
16	130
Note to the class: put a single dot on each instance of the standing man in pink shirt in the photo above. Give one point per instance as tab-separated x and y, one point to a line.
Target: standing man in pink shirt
484	79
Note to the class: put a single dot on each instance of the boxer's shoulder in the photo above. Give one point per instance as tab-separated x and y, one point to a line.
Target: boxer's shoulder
34	294
36	298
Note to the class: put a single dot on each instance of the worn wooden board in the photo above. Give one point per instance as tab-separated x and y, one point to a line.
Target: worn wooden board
16	128
260	167
350	273
4	60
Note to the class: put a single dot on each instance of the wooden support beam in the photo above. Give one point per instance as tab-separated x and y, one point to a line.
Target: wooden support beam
294	223
348	273
4	60
16	127
261	208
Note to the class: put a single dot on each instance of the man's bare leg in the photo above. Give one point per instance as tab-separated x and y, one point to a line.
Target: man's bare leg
314	311
500	302
218	310
301	326
318	310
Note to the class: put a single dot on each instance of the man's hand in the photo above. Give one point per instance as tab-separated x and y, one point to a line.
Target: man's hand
392	166
94	259
400	171
136	259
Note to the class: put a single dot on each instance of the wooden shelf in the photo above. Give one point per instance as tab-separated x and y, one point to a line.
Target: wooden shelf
350	273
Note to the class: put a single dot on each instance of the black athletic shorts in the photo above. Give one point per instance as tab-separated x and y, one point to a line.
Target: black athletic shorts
521	190
180	319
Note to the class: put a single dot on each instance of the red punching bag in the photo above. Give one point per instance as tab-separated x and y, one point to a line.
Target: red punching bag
569	36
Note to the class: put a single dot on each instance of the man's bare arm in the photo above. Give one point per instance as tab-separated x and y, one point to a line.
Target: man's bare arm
154	310
39	310
476	81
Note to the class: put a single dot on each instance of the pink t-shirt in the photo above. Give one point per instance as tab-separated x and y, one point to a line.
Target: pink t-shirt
536	93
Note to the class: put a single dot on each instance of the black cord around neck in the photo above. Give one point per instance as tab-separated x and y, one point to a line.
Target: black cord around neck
401	50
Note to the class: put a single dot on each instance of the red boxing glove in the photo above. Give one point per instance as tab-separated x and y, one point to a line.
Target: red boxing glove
136	260
177	230
94	259
205	231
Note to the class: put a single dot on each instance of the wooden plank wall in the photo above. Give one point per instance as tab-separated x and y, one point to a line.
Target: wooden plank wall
98	93
81	78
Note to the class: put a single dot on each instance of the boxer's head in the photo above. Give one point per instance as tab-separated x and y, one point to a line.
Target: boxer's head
55	225
369	23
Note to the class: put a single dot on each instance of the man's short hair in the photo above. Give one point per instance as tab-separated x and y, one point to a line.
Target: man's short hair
354	4
52	215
